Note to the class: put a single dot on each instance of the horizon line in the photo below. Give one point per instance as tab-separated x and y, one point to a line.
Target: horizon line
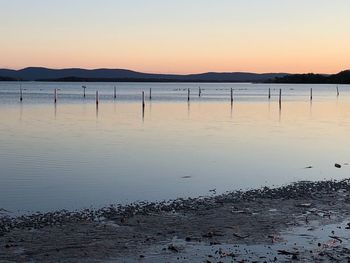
181	74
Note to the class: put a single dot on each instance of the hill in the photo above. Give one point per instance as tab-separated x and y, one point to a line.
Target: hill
340	78
77	74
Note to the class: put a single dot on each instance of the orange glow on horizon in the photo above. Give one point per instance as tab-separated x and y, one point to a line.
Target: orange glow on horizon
184	37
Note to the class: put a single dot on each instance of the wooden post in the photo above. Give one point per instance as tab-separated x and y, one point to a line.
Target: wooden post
199	91
97	98
150	93
55	96
143	99
188	94
311	94
231	95
115	92
20	94
337	91
84	88
269	93
280	98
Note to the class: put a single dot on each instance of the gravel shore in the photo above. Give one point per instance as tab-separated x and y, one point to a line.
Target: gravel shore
305	221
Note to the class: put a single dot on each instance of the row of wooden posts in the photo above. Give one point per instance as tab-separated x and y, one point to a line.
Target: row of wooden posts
188	95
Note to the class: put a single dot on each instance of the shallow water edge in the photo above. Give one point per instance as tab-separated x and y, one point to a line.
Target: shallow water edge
283	222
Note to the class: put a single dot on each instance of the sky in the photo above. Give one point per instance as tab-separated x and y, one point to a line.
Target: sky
177	36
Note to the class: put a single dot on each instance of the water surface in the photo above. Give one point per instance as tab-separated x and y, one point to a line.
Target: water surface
74	155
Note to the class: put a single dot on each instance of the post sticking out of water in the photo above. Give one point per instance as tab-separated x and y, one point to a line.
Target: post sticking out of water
143	99
97	98
311	94
115	92
188	95
150	93
337	91
84	88
20	94
269	93
199	91
55	96
280	99
231	95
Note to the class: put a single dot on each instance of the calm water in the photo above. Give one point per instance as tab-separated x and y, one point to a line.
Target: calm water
74	155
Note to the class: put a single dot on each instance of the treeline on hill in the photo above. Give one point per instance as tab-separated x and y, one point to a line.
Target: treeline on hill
340	78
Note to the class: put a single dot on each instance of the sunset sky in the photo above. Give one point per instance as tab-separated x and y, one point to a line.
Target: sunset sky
177	36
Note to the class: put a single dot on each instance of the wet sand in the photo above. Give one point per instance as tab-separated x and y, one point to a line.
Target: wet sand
304	221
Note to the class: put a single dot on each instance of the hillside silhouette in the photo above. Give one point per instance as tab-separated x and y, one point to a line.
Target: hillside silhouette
120	75
124	75
339	78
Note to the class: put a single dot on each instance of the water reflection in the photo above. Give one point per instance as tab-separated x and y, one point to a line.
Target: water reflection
150	109
96	111
70	160
188	109
310	109
55	110
280	114
20	111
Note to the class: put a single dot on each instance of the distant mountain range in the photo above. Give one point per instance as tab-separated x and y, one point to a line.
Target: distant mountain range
123	75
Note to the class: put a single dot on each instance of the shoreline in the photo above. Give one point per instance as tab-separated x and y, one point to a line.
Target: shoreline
165	231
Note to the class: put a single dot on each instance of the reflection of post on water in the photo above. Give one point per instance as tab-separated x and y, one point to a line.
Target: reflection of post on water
280	114
143	112
150	108
188	109
96	110
20	111
310	109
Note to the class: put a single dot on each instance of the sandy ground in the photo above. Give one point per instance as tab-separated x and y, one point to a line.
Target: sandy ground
305	221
